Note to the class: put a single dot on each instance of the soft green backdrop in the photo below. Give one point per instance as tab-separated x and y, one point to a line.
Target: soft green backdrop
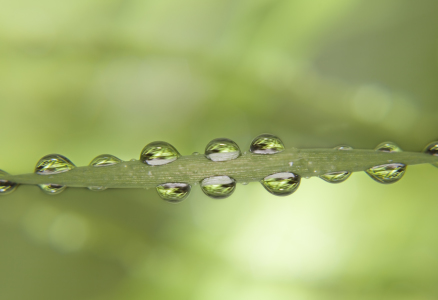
83	78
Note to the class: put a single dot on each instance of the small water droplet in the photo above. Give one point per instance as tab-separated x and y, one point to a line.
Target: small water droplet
149	173
244	183
335	177
195	153
173	192
97	188
218	187
291	163
222	149
343	147
432	149
389	147
388	173
105	160
159	153
52	189
6	186
132	159
281	184
266	144
53	164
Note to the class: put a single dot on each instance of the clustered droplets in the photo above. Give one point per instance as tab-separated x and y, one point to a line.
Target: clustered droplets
220	186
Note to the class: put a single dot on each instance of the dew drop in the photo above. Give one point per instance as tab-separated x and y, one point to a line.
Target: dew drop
218	187
97	188
105	160
432	149
52	189
158	153
266	144
222	149
388	173
389	147
335	177
149	173
343	147
281	184
6	186
195	153
173	192
53	164
244	183
291	163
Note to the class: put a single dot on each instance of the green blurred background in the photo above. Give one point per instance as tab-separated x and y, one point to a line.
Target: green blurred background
83	78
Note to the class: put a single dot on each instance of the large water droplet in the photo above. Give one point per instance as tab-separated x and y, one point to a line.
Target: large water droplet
432	149
53	164
52	189
105	160
158	153
389	147
218	187
266	144
388	173
335	177
173	192
6	186
281	184
222	149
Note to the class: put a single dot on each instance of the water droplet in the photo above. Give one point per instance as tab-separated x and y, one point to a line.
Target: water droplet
132	159
6	186
159	153
222	149
195	153
97	188
53	164
52	189
388	173
389	147
291	163
266	144
218	187
335	177
343	147
281	184
104	160
149	173
173	192
432	149
244	183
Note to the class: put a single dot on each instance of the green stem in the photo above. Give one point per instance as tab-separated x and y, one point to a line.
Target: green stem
247	168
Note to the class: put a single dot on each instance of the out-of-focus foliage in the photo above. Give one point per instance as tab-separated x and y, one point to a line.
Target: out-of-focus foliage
82	78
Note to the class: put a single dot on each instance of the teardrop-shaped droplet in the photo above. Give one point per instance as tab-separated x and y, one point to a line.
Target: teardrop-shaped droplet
6	186
335	177
218	187
158	153
105	160
222	149
343	147
281	184
97	188
52	189
388	173
266	144
432	149
53	164
173	192
388	147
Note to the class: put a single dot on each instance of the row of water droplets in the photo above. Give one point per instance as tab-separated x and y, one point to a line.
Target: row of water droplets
218	150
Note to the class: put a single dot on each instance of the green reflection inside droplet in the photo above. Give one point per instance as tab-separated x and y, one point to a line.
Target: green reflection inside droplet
218	187
173	192
52	189
53	164
222	149
388	147
266	144
6	186
159	153
281	184
335	177
104	160
388	173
